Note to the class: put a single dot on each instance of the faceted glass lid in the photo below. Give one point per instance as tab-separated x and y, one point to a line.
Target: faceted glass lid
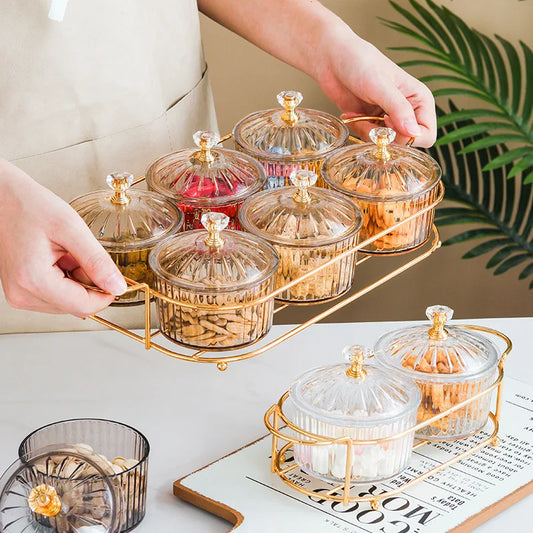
207	175
435	349
381	170
214	259
301	215
356	393
290	133
59	489
124	218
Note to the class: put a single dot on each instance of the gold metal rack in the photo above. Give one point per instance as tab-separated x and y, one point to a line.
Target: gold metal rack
222	358
282	429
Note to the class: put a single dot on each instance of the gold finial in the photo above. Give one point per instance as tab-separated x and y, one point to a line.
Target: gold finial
356	357
303	179
44	500
205	140
120	182
439	315
214	223
382	137
290	100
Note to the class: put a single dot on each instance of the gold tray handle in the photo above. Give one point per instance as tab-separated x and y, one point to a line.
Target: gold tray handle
132	285
496	333
356	140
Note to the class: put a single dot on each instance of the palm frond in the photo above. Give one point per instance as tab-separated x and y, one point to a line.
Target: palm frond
498	213
492	70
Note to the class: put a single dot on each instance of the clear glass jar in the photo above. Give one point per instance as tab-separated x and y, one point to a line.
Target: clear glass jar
450	365
389	183
216	268
206	178
288	139
360	403
83	475
128	223
307	226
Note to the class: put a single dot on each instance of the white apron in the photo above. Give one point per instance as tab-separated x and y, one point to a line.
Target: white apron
113	86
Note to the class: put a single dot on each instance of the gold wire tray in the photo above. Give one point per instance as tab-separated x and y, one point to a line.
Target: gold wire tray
221	357
277	422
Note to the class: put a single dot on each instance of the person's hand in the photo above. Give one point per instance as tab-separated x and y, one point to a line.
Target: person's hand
360	80
41	238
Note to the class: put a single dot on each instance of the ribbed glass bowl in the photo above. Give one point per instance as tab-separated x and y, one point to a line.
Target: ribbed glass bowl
112	440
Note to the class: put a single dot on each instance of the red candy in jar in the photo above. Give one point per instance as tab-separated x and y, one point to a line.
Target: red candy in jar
206	178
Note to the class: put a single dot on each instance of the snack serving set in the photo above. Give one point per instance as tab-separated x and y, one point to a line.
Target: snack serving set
219	237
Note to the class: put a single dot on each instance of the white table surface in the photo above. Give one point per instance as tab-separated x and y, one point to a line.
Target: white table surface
191	413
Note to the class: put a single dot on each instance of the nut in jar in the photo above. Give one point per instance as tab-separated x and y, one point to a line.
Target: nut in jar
450	365
308	226
390	183
128	223
214	276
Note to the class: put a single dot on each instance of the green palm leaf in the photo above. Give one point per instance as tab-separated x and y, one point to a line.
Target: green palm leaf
488	202
488	179
491	70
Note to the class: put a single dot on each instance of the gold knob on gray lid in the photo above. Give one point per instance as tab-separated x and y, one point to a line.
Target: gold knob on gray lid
43	500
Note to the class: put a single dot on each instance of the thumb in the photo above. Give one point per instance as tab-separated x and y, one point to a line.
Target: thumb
77	239
400	111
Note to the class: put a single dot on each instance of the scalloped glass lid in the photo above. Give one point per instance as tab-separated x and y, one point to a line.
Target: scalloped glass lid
214	259
207	175
301	215
436	349
355	394
58	489
290	133
381	170
123	218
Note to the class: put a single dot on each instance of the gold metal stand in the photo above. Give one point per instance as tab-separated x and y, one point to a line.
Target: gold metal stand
223	357
282	429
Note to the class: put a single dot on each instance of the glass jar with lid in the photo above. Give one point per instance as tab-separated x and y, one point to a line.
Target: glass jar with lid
214	267
308	226
82	475
390	183
128	223
450	365
290	138
206	178
359	401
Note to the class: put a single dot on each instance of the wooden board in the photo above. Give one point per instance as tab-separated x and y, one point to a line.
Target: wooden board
241	489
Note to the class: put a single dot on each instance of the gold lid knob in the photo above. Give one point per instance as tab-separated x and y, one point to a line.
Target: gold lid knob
382	137
205	140
43	500
356	357
439	315
290	100
120	182
214	223
303	179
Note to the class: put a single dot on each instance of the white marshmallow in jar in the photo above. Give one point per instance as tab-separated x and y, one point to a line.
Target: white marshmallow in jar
358	402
